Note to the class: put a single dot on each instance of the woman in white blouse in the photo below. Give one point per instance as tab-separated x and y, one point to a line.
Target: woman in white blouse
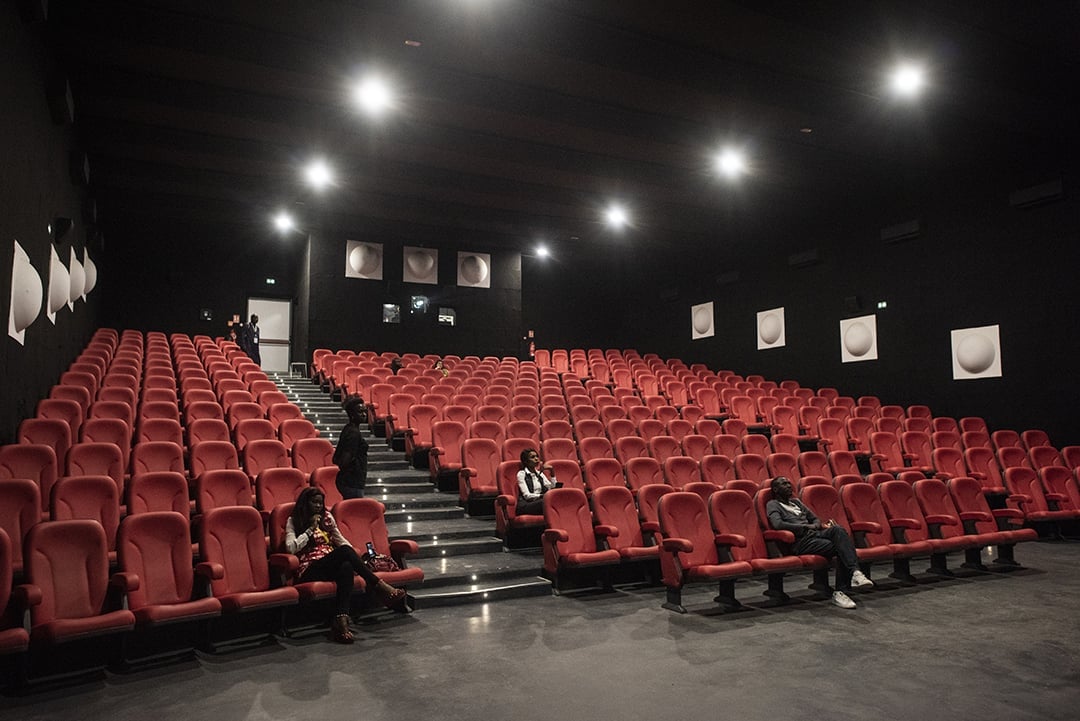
533	484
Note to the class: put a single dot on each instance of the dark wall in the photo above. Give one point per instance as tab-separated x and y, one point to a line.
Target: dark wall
346	313
172	271
35	187
977	262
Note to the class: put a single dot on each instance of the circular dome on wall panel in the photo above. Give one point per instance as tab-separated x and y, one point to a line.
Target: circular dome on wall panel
701	321
59	284
474	270
976	353
78	280
858	339
771	330
363	260
26	295
421	265
90	268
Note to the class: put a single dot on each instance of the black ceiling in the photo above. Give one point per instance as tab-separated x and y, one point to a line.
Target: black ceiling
520	119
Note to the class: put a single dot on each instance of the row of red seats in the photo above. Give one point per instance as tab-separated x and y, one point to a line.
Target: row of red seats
724	535
68	594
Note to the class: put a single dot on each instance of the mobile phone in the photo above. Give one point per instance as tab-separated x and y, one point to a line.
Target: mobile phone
370	548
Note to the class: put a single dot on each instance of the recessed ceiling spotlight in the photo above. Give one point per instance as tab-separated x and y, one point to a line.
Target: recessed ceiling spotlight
318	174
806	131
284	222
541	251
413	43
617	216
373	96
730	163
908	80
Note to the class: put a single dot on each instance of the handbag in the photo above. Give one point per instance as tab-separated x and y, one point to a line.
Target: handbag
378	563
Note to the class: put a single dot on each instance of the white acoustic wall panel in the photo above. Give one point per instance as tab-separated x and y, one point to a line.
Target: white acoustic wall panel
771	329
421	265
474	270
363	260
858	339
976	353
702	321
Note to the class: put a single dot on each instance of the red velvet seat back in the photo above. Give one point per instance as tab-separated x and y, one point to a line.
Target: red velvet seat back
254	429
898	499
156	491
157	548
154	456
309	454
210	429
603	472
751	467
862	503
568	509
968	496
232	536
824	501
733	512
213	455
685	515
32	461
223	487
614	506
934	500
263	454
68	561
949	461
20	510
681	470
275	486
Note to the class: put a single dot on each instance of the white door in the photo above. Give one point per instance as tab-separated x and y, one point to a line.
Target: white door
275	331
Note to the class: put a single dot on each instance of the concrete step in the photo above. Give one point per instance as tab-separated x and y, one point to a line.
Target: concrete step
462	594
443	548
424	514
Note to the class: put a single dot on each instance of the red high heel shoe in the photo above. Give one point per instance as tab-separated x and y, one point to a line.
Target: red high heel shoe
398	601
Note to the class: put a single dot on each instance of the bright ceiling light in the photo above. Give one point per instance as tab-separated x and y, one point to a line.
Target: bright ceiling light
373	96
616	216
730	163
284	222
541	251
318	174
907	80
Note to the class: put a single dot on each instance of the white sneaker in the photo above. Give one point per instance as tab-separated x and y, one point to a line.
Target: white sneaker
839	598
859	580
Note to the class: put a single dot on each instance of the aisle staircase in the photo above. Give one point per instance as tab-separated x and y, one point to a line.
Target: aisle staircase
463	561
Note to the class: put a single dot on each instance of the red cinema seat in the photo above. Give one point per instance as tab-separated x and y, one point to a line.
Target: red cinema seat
696	446
910	526
13	638
362	520
751	467
155	491
943	519
20	510
478	480
1033	438
978	518
293	429
824	501
514	528
64	410
97	459
309	454
154	456
690	551
275	486
213	455
569	540
30	461
155	557
108	430
51	432
67	584
983	466
680	471
160	429
618	523
208	429
444	459
871	529
603	471
260	455
717	469
253	429
643	471
232	546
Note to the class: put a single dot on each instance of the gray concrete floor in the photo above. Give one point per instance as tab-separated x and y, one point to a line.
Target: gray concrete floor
986	647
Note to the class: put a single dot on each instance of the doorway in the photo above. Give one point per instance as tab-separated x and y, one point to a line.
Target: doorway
275	332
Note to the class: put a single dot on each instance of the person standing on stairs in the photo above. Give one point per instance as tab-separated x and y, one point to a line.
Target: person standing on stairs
351	453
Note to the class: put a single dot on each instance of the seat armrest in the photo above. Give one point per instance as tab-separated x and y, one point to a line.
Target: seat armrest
467	471
866	527
606	531
1019	498
650	526
730	539
1007	513
975	516
436	451
27	595
505	501
1055	497
403	546
210	570
904	523
125	582
977	475
552	535
941	519
287	563
677	545
781	536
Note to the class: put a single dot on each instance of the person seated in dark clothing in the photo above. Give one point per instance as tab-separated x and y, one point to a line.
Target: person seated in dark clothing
312	535
816	537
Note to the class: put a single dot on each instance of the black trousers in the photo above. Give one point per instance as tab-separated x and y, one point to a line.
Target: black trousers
829	542
340	565
529	508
